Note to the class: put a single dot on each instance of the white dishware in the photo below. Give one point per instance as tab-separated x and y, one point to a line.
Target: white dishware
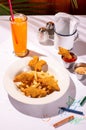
54	68
65	30
42	107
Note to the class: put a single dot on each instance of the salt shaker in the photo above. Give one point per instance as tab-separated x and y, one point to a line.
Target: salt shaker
50	28
43	35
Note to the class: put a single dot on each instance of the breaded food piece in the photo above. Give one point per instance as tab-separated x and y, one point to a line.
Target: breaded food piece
24	77
39	65
33	62
35	92
50	83
65	53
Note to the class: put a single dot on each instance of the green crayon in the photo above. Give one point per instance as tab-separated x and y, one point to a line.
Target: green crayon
83	101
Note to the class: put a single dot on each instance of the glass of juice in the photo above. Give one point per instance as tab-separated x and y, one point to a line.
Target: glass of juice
19	34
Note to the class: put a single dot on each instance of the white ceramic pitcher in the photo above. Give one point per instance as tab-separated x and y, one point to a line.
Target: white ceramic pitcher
65	30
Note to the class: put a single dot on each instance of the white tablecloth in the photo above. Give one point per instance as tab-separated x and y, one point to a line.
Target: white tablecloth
14	115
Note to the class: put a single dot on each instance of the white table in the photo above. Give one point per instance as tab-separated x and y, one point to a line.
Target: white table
14	115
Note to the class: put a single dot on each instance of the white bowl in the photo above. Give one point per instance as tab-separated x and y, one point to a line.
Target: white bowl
38	106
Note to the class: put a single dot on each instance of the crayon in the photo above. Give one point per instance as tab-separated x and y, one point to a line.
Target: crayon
71	110
64	121
83	101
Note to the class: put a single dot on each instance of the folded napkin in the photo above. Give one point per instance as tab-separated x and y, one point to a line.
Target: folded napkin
65	24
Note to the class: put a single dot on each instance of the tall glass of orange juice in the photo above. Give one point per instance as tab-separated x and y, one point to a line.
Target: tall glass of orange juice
19	34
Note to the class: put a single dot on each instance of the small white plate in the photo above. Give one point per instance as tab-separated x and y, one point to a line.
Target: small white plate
54	68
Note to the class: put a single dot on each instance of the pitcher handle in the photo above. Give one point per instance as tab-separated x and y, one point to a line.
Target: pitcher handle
76	36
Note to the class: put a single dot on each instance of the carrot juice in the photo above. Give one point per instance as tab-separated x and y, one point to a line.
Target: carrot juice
19	34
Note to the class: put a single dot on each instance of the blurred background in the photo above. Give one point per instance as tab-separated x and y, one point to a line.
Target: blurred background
44	7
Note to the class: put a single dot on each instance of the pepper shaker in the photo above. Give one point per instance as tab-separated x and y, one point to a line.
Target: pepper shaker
43	35
50	28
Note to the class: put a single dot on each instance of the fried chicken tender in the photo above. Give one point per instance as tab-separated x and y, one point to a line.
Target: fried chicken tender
36	64
35	92
24	77
39	65
65	53
33	62
50	83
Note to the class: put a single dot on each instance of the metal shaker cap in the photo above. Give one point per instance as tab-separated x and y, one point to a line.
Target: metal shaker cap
43	35
42	29
50	25
50	28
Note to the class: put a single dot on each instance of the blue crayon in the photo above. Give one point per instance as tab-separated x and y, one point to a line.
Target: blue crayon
71	110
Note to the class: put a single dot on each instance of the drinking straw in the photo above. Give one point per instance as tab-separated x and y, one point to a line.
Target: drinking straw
71	110
11	11
62	122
